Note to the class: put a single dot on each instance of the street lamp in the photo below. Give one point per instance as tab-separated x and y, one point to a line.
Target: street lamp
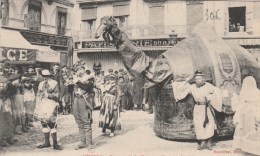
173	37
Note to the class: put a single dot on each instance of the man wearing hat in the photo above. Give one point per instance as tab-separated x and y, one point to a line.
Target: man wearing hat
29	100
48	88
38	77
110	71
83	106
6	91
204	94
4	113
30	69
57	76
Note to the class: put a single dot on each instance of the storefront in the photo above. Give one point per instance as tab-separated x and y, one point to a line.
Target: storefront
15	48
252	44
101	52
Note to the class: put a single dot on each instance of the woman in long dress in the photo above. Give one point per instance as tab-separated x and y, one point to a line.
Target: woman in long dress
247	117
109	110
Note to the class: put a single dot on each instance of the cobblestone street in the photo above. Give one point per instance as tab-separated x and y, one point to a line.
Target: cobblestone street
136	138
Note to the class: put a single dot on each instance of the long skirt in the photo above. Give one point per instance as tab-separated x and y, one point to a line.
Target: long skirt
198	120
17	108
247	132
109	115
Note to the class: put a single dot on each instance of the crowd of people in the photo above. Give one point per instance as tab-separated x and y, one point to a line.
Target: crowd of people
71	90
79	91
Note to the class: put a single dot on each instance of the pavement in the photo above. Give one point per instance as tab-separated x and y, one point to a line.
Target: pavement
136	138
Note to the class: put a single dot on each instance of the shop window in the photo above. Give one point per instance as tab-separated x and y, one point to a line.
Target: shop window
61	22
121	21
33	18
237	19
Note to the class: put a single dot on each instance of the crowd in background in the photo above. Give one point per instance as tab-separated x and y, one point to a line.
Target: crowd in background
19	92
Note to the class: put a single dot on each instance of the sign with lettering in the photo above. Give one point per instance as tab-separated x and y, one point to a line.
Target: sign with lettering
19	56
138	42
194	2
48	56
46	39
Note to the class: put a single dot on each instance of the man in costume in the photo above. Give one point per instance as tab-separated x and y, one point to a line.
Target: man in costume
83	106
205	96
49	89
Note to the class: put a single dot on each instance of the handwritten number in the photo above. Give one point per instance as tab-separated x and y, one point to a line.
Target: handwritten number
207	16
212	15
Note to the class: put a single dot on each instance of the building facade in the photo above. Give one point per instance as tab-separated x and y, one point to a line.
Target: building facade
45	24
150	23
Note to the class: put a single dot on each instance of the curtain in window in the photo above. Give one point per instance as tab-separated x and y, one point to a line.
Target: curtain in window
62	21
33	18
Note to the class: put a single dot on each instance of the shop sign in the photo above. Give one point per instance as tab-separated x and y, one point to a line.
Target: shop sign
15	55
246	41
139	43
45	39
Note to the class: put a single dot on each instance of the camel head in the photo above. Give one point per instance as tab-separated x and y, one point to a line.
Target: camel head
107	28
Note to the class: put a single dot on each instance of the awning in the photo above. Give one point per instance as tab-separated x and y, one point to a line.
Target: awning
16	48
14	39
46	54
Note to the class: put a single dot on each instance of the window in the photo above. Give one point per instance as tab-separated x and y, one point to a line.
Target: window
4	12
61	21
88	17
90	27
194	14
33	18
156	21
121	11
237	19
121	21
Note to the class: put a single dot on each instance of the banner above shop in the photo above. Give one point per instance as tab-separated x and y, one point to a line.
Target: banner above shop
18	55
46	54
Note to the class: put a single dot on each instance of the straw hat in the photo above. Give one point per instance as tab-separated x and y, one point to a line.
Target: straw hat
46	72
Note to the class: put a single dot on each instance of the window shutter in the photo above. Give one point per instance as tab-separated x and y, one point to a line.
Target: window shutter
194	15
121	10
156	20
249	19
89	14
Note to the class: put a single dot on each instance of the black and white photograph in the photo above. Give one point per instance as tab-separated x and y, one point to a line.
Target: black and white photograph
129	77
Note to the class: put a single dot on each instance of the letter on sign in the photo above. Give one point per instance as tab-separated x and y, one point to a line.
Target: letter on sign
11	54
23	55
